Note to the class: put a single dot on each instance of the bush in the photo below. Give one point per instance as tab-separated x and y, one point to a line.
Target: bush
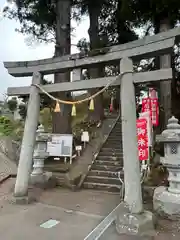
4	119
9	127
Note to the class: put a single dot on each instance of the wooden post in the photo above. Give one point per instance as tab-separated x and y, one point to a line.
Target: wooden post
133	192
27	148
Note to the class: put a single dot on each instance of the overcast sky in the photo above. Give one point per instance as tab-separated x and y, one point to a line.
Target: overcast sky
14	48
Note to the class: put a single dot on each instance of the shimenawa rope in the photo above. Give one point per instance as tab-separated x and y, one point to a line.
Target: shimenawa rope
83	100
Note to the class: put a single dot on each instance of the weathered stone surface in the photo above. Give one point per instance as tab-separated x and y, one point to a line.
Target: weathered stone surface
166	204
24	200
10	148
134	224
103	186
7	167
43	181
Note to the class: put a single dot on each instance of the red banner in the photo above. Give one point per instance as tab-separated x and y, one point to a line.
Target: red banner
155	111
146	105
142	137
151	104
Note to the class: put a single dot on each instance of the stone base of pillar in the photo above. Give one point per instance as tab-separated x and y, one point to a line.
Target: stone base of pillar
140	225
166	204
44	180
24	200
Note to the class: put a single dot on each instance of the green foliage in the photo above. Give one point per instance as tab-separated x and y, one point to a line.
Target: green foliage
116	22
155	10
46	102
6	127
37	18
9	127
46	118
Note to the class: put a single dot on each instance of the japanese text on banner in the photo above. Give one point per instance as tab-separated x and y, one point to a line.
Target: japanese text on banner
142	138
155	111
151	104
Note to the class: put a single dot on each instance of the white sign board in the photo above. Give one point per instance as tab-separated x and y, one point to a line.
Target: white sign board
85	137
61	145
79	148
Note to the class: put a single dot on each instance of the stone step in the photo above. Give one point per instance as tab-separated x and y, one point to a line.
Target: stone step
103	167
113	145
116	150
102	186
60	178
108	162
106	180
118	124
112	154
117	128
109	158
103	173
115	140
115	136
118	142
116	132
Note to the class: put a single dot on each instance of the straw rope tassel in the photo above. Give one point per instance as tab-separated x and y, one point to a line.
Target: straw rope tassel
73	113
58	101
57	107
91	105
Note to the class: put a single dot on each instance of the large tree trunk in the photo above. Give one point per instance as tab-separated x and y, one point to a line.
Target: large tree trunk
98	113
161	24
124	35
62	120
165	86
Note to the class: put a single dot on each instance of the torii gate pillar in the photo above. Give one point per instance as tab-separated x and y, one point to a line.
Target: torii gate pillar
133	193
131	218
27	148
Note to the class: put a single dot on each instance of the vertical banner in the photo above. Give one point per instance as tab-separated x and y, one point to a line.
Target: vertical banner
150	104
153	93
155	111
142	138
147	116
146	105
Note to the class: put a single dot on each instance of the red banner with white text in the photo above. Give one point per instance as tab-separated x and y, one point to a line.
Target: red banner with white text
142	138
152	105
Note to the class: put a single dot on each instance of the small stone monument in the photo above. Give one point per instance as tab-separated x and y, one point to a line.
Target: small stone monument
40	154
166	200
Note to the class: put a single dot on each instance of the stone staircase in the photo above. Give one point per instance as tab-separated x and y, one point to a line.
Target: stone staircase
103	174
66	174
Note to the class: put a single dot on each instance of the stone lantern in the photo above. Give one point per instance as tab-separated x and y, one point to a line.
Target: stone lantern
166	200
40	154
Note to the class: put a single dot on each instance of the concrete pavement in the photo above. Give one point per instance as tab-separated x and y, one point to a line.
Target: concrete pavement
76	213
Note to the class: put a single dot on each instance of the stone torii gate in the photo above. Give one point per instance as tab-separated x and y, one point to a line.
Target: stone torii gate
157	45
